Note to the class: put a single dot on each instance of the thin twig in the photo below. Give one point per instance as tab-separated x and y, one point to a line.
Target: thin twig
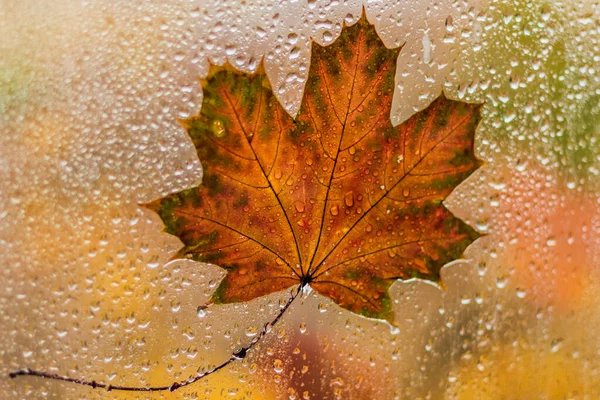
238	355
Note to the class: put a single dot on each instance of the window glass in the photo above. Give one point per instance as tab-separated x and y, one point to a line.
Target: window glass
91	94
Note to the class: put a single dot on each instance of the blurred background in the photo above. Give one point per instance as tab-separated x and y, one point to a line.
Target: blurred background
90	94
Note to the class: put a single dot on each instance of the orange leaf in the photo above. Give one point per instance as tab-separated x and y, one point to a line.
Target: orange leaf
337	198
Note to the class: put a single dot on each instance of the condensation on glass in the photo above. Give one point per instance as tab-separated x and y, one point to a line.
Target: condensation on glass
90	97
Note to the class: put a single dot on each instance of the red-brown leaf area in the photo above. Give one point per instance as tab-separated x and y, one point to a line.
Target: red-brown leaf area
337	197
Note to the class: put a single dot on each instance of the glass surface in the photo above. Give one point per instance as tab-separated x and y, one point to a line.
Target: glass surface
90	97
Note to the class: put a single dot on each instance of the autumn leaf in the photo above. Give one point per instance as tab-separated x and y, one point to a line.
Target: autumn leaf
336	198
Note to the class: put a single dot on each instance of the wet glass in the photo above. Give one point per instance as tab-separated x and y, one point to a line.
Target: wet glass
90	97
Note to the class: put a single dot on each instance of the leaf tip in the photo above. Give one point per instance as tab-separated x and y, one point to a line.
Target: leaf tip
181	254
152	206
441	284
186	123
363	15
220	296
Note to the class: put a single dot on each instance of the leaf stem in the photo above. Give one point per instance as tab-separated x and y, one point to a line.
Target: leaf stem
238	355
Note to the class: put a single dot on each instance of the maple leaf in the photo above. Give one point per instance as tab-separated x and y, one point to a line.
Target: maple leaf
337	198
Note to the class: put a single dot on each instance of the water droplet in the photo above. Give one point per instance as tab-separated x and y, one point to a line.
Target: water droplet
349	199
546	12
521	165
278	366
240	354
336	382
153	263
303	327
299	206
556	344
260	32
292	38
509	116
334	210
478	298
268	327
482	225
218	129
426	49
501	282
251	331
449	24
188	333
294	53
